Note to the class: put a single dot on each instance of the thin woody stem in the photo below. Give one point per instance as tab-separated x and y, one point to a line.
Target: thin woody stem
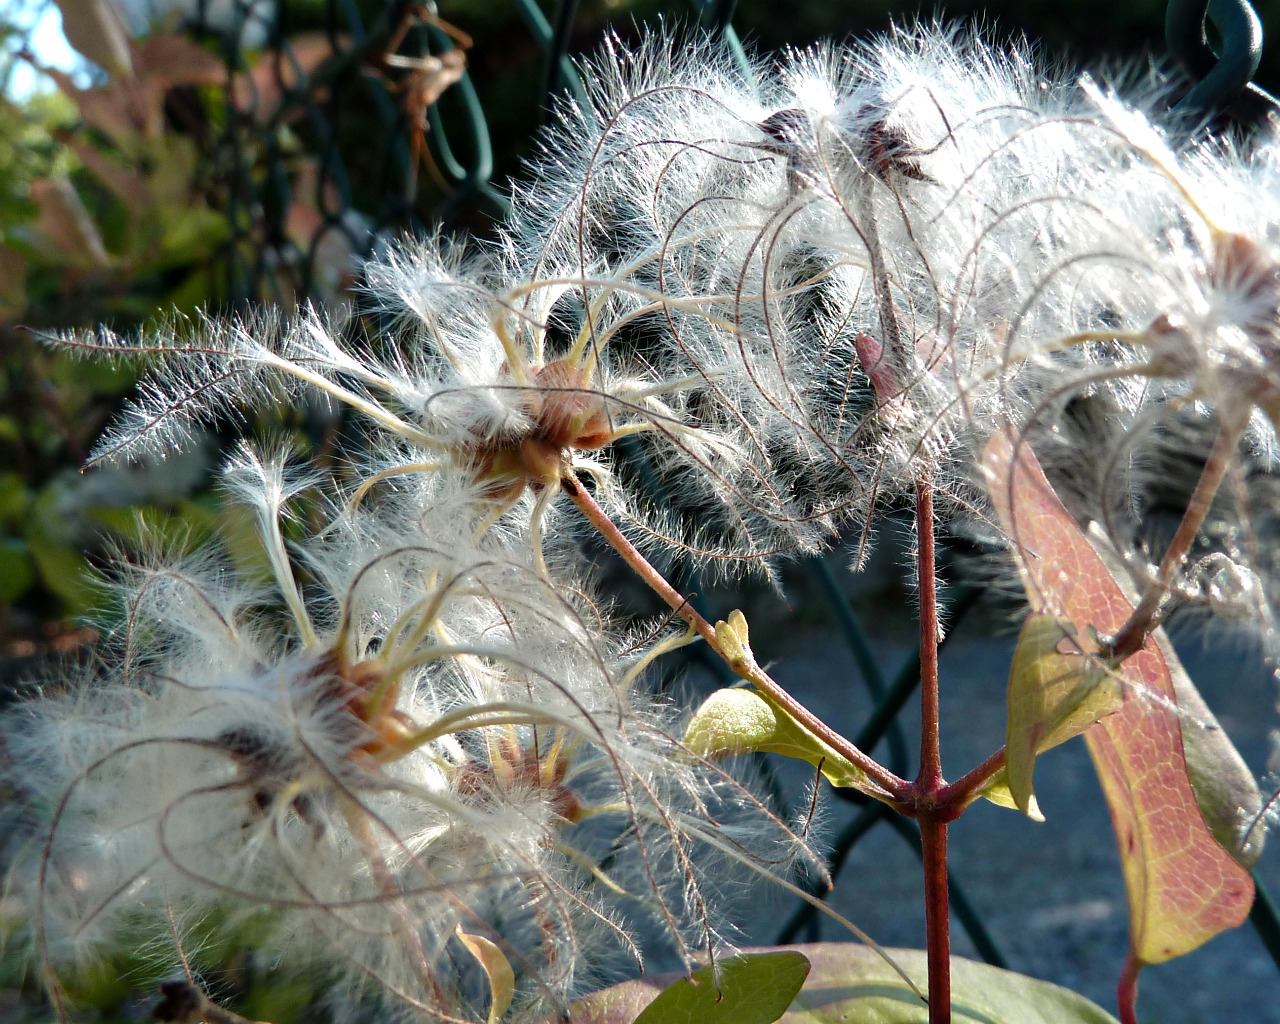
937	909
888	787
1133	634
930	778
1127	990
960	792
929	783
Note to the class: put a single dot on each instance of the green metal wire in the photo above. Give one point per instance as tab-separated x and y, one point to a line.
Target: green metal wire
545	37
1224	78
860	648
714	16
553	74
1266	919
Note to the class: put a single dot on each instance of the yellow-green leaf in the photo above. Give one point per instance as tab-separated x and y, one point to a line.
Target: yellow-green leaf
741	721
1225	788
1055	693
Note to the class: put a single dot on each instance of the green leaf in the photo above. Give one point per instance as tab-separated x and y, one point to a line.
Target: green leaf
184	528
16	570
739	721
754	988
1055	693
64	571
15	498
851	984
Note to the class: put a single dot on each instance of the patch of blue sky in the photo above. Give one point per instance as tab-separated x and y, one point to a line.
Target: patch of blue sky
36	28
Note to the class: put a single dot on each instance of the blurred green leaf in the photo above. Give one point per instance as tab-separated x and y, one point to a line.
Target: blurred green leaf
17	572
64	572
180	529
15	497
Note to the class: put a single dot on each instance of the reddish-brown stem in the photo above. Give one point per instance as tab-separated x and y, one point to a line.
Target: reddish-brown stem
929	783
937	909
607	529
1133	634
957	794
930	779
891	789
1127	990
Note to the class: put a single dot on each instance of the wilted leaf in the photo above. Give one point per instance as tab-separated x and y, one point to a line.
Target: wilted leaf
497	968
754	988
431	75
1055	693
96	29
1183	887
740	721
850	984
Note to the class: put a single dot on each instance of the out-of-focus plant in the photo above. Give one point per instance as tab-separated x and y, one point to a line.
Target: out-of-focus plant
105	216
121	198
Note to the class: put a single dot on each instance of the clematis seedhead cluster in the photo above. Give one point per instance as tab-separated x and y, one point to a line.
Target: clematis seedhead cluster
734	312
370	744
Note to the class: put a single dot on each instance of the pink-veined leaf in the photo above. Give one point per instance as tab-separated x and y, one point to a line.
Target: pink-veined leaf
1183	887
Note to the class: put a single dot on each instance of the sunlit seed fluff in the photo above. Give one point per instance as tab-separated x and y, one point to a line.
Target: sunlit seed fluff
433	736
